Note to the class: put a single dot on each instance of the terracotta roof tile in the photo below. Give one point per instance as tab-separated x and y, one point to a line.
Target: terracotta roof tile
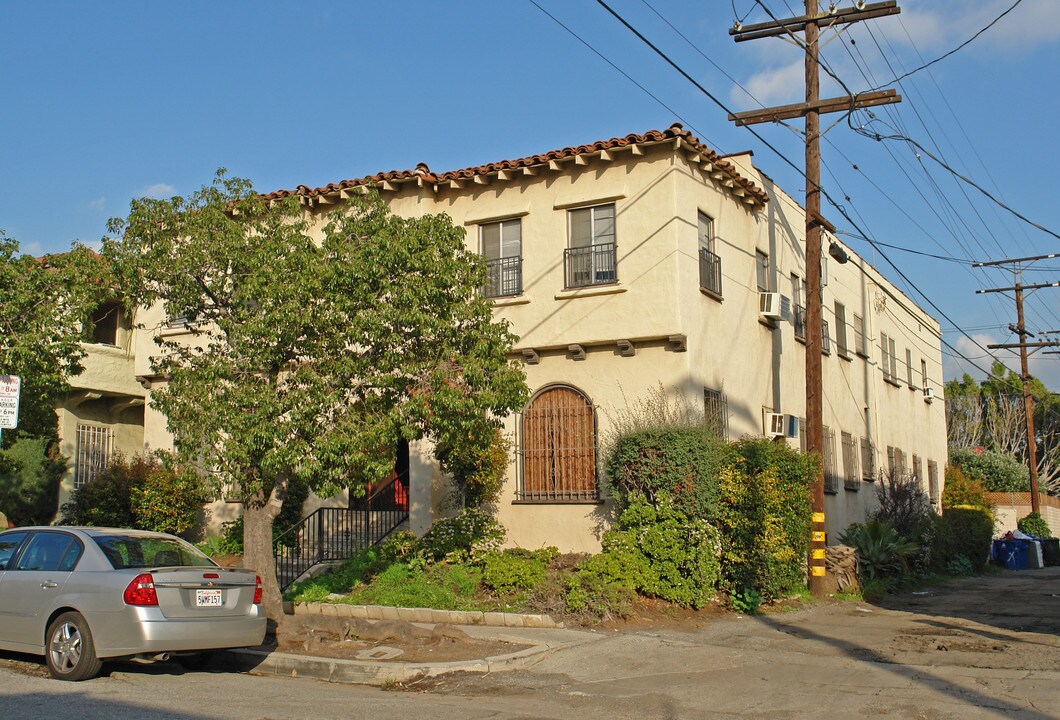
746	186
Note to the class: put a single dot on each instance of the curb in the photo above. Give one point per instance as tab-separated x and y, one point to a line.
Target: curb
428	615
362	672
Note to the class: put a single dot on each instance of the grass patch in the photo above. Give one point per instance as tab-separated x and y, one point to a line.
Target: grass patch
443	586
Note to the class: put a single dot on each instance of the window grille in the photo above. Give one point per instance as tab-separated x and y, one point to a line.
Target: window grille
559	447
831	477
709	271
826	340
716	412
841	330
799	318
933	481
868	459
859	335
909	369
851	476
92	453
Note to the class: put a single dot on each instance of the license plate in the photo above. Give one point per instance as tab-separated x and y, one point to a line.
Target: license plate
208	598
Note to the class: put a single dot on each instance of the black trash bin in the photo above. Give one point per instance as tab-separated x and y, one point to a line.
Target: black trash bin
1051	551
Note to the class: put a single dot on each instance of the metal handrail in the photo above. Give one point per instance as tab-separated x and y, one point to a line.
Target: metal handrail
335	533
504	276
590	265
709	271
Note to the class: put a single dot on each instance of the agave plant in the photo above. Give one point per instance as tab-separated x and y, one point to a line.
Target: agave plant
882	552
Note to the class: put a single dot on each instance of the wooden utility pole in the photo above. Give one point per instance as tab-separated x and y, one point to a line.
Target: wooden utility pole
811	24
1020	328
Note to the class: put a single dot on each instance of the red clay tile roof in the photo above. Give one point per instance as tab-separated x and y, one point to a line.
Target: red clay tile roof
742	186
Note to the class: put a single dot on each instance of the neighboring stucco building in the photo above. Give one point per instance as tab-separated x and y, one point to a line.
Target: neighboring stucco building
649	261
104	412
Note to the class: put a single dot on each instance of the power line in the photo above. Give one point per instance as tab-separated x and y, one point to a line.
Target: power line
959	47
787	161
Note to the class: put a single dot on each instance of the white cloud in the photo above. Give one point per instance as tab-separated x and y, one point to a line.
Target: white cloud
97	203
159	191
780	84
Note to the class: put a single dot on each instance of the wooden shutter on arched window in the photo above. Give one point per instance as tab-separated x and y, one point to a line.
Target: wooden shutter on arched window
559	447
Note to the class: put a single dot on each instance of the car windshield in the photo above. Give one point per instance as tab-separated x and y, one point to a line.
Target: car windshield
137	551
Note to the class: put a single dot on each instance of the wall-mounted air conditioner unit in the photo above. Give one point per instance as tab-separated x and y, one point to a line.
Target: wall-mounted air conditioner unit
929	394
775	425
769	305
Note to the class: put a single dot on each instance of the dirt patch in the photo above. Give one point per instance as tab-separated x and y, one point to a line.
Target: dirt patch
24	664
655	614
383	640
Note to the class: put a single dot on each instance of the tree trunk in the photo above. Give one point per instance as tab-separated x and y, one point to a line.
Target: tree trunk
258	515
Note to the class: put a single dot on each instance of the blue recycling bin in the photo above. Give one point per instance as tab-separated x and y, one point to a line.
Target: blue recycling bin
1011	553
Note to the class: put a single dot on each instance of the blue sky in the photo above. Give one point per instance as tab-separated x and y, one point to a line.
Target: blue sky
112	100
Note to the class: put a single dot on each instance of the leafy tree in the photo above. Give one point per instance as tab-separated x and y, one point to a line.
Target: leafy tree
43	303
29	481
991	416
315	351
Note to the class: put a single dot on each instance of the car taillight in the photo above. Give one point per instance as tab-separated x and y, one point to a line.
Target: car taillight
141	591
257	589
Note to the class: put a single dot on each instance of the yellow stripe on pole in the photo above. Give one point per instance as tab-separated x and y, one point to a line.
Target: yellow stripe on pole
817	571
818	554
818	517
817	536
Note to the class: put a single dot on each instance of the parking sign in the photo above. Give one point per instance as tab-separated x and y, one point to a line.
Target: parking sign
9	390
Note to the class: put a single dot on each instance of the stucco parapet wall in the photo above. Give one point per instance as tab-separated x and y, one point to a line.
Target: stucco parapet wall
428	615
109	370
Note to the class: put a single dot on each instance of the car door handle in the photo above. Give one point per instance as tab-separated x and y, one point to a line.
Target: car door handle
48	584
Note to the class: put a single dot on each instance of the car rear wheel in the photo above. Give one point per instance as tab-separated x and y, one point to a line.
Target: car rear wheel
70	653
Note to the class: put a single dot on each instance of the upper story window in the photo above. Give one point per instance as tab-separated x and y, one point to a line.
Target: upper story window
798	292
909	369
841	330
762	271
105	322
889	359
590	259
502	247
859	335
923	374
709	262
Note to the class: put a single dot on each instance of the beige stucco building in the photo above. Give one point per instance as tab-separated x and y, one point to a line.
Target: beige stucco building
649	261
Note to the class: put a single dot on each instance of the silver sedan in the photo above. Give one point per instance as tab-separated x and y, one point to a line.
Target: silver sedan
78	596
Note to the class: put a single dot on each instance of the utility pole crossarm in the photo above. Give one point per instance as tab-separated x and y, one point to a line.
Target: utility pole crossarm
831	105
990	263
1017	287
1012	346
845	16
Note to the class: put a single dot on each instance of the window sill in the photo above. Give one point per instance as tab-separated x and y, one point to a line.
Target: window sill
767	323
891	382
711	294
845	355
558	501
174	330
508	300
590	291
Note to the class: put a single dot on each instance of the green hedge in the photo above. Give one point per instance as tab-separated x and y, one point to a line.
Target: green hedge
965	531
996	471
765	522
30	473
680	462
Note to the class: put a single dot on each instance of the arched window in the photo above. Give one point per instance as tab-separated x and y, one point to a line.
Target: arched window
559	447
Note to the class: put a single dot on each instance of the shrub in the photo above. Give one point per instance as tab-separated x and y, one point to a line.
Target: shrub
961	490
902	503
477	468
765	518
658	551
681	462
30	473
142	492
509	571
966	530
106	500
290	511
882	552
960	565
168	499
997	472
1034	524
462	537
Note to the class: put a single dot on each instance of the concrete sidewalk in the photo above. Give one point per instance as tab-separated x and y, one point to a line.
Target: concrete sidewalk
386	667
